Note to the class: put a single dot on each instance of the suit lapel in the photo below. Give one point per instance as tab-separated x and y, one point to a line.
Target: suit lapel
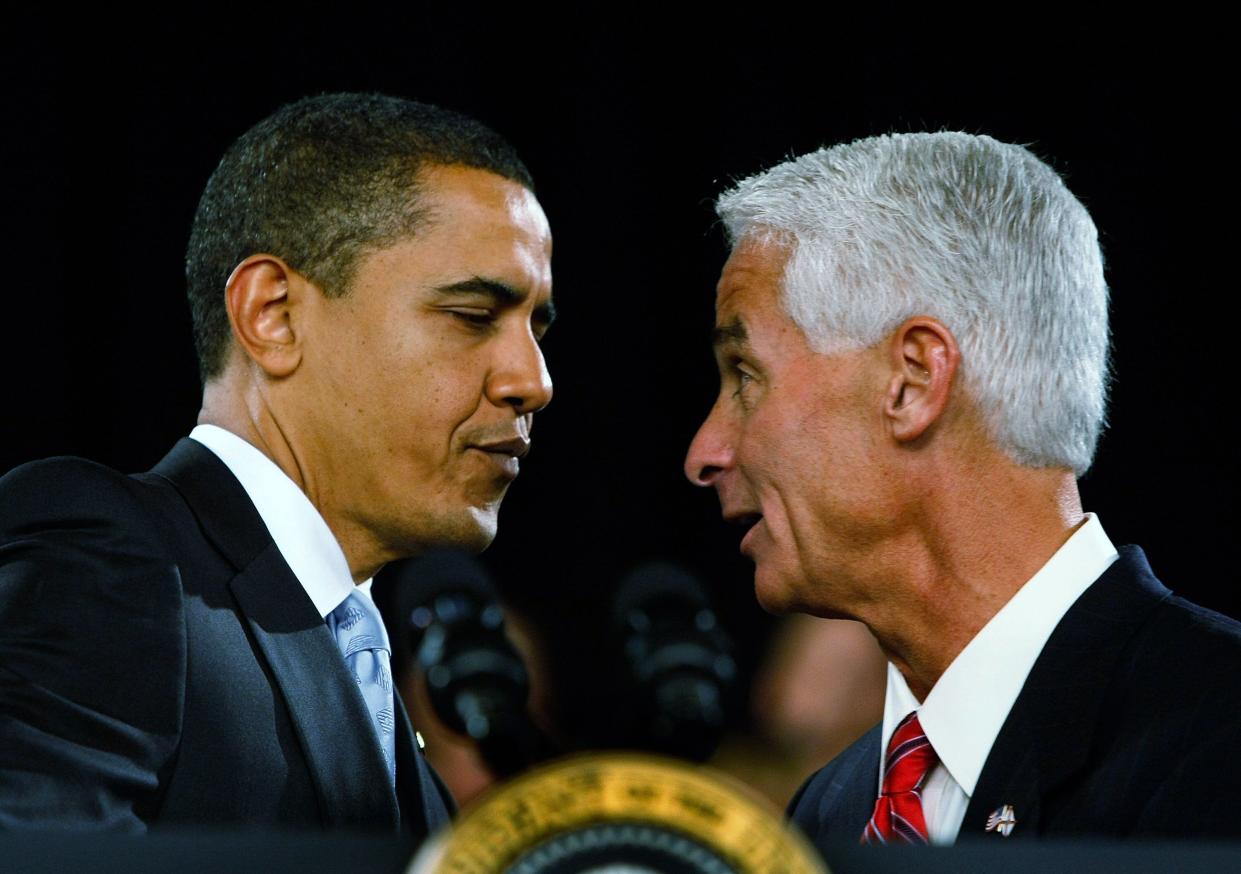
420	789
323	702
835	804
1047	737
857	790
228	518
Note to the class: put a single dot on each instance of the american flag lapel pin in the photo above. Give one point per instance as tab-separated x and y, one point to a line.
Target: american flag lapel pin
1002	820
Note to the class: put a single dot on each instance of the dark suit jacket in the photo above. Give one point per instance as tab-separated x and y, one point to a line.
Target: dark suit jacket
1128	725
161	664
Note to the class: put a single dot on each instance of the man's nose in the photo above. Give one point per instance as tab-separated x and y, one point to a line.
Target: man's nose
710	452
520	378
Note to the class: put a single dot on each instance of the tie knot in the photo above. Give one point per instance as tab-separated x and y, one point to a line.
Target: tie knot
358	625
910	756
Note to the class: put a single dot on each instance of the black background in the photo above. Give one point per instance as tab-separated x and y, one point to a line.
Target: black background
630	126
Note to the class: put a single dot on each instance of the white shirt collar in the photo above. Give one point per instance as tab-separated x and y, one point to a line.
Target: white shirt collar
963	713
303	538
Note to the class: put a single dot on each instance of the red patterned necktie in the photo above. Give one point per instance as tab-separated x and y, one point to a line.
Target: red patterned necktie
898	812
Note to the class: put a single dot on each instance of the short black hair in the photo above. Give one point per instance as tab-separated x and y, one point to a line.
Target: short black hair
318	184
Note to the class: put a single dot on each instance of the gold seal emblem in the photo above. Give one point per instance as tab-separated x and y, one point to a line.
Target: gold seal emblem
619	812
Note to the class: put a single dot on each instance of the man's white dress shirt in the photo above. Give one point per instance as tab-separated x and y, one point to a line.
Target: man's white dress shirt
303	538
963	713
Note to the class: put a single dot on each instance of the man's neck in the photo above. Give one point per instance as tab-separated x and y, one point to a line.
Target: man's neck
233	403
948	577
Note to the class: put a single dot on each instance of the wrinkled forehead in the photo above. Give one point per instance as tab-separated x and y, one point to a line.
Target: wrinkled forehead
753	276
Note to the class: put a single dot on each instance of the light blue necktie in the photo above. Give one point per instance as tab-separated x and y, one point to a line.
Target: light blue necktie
363	642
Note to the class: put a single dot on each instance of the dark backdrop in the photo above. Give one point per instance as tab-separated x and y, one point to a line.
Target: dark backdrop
630	127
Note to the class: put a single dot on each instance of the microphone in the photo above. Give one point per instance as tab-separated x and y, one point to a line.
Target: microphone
678	656
476	680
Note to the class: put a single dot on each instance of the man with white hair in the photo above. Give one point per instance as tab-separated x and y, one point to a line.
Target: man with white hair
911	332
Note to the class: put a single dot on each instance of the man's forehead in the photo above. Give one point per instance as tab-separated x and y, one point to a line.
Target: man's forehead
479	225
750	281
482	195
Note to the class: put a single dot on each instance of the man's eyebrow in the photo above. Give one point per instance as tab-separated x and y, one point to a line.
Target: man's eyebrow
732	334
501	292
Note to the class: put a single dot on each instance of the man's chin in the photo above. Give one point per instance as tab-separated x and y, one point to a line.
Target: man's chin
773	593
470	531
474	531
484	529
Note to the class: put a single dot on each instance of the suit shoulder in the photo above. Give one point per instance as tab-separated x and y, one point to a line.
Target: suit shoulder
1204	620
66	485
87	502
1183	725
92	647
1178	672
73	529
1183	634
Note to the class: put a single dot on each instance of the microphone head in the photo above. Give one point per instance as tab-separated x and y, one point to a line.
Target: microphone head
476	681
679	658
653	585
421	579
446	587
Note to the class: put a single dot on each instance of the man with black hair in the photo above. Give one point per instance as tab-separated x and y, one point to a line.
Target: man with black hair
369	280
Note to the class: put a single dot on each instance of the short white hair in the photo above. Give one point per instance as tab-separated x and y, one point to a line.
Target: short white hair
979	234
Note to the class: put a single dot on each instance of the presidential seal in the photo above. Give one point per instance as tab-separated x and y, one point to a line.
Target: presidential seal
606	814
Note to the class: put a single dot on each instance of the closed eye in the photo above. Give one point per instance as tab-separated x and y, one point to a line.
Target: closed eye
473	315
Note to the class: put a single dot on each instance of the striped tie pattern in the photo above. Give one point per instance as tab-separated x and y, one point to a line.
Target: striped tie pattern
363	642
898	814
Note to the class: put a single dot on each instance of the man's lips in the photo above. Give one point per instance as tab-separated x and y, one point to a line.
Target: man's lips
504	454
514	446
746	519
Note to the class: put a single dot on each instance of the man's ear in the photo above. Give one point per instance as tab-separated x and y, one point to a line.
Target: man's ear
263	295
924	360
